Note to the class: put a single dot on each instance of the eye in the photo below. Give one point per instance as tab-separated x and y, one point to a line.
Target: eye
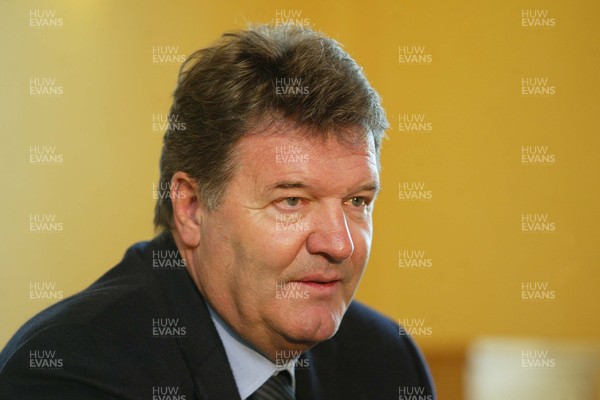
358	202
292	201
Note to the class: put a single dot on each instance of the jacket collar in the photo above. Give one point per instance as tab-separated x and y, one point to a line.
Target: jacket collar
201	347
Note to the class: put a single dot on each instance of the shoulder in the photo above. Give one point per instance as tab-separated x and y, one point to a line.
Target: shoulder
369	332
114	295
363	319
371	351
99	339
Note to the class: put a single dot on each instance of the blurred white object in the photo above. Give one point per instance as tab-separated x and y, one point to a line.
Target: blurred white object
532	369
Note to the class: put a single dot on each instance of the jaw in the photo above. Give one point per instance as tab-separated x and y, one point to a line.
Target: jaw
305	326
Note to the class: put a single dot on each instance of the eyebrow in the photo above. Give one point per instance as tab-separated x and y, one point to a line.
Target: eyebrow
369	187
287	185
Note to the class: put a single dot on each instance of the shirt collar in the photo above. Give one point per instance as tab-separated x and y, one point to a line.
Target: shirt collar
250	368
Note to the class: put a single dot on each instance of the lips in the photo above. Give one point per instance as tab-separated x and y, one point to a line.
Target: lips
321	285
320	279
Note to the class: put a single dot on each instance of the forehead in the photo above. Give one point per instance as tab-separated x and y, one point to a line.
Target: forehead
282	130
291	153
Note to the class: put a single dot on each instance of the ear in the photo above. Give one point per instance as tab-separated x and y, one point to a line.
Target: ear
187	208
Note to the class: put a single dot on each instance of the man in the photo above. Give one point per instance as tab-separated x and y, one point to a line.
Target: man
267	189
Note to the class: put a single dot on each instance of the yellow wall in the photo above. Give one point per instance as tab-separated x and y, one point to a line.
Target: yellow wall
470	92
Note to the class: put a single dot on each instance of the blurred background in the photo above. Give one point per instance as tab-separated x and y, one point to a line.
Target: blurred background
486	241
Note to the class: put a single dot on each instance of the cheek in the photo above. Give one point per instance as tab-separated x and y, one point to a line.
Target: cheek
263	248
362	245
361	230
276	239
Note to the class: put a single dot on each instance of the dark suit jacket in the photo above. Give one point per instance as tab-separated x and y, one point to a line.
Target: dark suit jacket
110	342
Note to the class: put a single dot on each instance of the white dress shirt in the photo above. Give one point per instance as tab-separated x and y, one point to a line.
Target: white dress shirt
250	368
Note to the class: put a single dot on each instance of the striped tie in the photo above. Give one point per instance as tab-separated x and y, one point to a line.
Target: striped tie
278	387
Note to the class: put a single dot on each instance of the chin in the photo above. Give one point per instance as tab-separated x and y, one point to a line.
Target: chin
312	325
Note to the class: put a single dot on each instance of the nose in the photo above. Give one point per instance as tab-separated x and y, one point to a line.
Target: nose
330	236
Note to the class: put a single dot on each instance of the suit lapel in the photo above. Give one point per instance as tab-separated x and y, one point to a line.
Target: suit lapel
201	347
308	386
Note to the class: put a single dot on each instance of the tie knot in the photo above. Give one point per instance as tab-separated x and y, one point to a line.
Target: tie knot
284	376
277	387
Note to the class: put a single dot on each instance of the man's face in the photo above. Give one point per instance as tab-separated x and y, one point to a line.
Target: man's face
281	258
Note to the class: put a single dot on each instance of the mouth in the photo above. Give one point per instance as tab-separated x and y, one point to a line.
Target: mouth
321	282
327	286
